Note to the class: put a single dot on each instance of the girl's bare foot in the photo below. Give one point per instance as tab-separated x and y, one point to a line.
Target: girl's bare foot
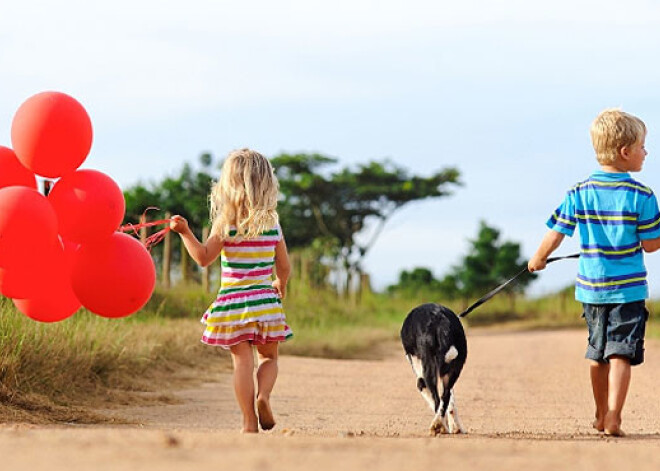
614	433
599	423
612	425
266	419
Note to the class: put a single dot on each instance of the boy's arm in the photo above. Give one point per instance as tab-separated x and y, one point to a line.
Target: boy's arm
651	245
550	242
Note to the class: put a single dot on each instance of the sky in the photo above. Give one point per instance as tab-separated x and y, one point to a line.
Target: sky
504	91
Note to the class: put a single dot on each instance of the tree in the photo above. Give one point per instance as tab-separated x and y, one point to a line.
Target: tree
340	206
185	194
416	282
318	208
489	264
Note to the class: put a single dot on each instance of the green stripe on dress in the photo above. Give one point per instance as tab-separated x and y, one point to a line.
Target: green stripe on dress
256	302
243	288
246	265
272	232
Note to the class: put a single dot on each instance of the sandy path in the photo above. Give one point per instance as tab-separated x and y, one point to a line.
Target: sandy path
524	398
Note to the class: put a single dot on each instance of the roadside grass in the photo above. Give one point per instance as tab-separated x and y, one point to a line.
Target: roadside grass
57	372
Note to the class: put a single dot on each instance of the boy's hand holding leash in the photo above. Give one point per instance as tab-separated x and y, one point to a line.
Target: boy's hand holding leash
550	242
537	263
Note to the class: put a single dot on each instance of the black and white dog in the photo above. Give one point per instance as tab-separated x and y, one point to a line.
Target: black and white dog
435	345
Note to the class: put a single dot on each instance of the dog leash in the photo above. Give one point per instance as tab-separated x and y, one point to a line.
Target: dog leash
505	284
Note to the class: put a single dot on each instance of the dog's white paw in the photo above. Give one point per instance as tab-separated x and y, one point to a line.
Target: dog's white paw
439	426
455	428
455	425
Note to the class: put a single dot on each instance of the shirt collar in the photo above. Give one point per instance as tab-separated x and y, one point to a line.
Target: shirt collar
602	175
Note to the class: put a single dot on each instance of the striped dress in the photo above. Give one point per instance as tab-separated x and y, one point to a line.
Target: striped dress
247	307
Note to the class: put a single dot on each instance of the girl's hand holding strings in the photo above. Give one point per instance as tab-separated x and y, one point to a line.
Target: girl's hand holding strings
179	224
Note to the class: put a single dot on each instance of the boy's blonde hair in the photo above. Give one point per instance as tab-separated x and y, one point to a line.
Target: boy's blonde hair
245	196
612	130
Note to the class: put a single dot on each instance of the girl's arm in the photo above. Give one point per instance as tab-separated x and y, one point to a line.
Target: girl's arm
203	253
550	242
282	268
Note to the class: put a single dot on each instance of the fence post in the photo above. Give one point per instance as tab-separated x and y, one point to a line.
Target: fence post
206	271
184	264
167	255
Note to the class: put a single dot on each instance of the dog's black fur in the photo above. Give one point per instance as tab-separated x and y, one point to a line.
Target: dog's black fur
433	339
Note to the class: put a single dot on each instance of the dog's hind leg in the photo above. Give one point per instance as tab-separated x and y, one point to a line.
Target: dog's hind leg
446	417
454	422
440	423
416	364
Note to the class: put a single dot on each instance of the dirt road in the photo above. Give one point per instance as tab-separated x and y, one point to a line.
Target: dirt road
523	397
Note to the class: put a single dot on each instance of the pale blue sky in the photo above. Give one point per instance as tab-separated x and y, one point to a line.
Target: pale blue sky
505	91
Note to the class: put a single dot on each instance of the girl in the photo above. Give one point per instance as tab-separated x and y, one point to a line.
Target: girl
248	309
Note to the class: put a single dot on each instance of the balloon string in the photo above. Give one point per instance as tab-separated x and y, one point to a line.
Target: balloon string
134	227
153	239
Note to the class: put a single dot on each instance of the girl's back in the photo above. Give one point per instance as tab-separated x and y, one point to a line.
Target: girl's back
248	264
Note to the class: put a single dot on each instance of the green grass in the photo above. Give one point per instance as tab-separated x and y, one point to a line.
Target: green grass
87	359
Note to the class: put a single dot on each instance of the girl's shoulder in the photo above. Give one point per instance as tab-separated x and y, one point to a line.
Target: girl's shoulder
274	233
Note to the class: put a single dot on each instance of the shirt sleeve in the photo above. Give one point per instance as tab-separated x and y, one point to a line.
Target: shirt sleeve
648	223
563	220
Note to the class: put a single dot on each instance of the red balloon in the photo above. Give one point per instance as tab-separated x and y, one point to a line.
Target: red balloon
28	226
113	277
51	134
12	172
89	205
19	282
55	299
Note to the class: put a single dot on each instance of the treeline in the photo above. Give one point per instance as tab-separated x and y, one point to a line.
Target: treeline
489	262
323	209
331	217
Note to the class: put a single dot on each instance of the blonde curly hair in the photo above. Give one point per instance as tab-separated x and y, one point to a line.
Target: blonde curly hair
245	196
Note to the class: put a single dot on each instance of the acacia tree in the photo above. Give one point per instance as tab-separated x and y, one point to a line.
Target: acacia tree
339	206
321	211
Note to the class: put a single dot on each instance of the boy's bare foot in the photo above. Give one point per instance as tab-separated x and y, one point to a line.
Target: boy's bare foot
266	419
599	425
250	424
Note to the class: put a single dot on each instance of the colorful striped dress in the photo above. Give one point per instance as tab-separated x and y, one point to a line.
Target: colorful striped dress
247	307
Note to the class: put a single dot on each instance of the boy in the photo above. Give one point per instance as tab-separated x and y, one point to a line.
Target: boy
616	217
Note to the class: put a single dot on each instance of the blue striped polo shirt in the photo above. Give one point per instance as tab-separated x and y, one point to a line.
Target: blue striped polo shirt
613	213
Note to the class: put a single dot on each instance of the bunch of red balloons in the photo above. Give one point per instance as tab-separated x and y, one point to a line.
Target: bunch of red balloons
63	251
